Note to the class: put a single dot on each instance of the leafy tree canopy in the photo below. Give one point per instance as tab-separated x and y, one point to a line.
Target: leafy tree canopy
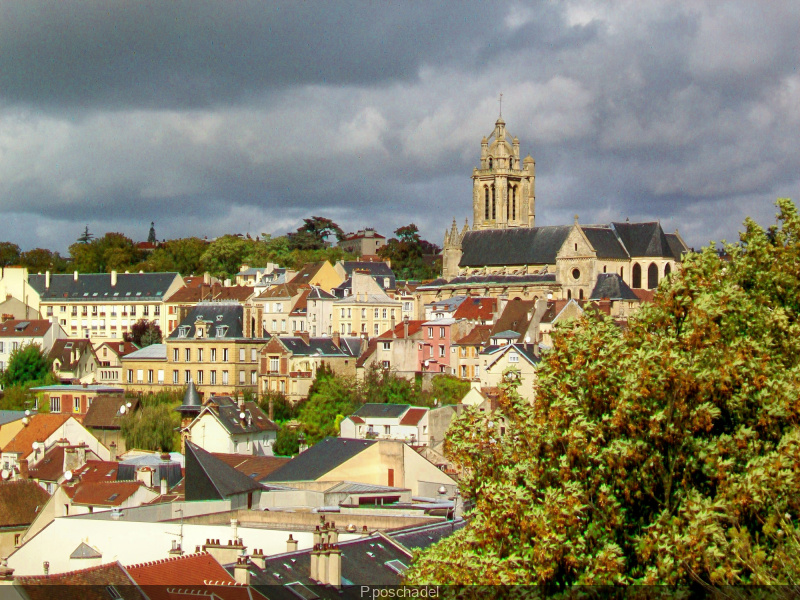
25	364
225	255
40	260
144	333
407	252
9	254
152	427
313	234
112	252
668	453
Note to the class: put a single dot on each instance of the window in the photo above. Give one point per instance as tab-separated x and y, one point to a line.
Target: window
441	350
463	371
175	355
55	404
146	310
183	331
241	354
2	349
130	376
253	355
157	310
241	377
76	405
636	276
387	429
430	332
187	376
199	355
212	376
139	375
385	364
150	376
224	355
224	378
513	357
477	371
14	346
188	355
283	324
199	377
441	332
376	330
273	364
161	376
275	325
343	313
363	313
49	311
278	307
387	345
213	355
253	377
652	276
384	313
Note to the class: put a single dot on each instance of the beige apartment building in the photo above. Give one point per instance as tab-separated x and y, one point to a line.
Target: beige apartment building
367	310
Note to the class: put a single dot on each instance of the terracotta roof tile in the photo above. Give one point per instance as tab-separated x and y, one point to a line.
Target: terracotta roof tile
97	470
51	467
24	328
20	502
476	309
236	292
195	292
479	336
86	584
104	411
40	427
103	493
413	416
399	330
256	467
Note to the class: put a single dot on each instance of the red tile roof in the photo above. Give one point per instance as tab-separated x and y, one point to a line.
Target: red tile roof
20	502
119	348
399	330
51	467
194	292
32	328
479	336
196	574
413	416
645	295
86	584
236	292
284	290
97	470
476	309
102	493
40	427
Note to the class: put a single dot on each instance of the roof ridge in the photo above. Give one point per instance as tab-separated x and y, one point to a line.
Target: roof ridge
159	561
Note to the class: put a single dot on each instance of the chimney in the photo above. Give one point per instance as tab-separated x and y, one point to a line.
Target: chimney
145	475
405	327
81	455
322	564
75	276
335	566
258	559
291	544
176	549
364	532
47	280
112	449
335	338
227	283
314	562
163	486
71	460
333	534
6	572
23	468
304	336
235	528
241	572
113	278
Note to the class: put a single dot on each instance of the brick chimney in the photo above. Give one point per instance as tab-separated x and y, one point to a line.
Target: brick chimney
304	336
241	572
336	338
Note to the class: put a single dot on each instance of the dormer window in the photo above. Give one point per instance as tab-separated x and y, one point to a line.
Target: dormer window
222	331
183	331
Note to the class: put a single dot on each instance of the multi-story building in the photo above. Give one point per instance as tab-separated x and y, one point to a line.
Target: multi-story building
15	334
395	350
104	306
276	303
109	355
468	349
436	352
321	274
319	312
215	347
368	310
364	242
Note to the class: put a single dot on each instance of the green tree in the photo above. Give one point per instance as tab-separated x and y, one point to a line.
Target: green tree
9	254
445	389
329	397
41	260
112	252
407	252
384	387
27	363
225	255
85	237
144	333
181	255
666	453
287	443
152	427
313	234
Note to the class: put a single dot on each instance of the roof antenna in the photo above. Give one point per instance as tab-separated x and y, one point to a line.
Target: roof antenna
501	105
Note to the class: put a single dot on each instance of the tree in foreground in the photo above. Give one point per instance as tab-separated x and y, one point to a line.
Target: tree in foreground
26	364
668	453
144	333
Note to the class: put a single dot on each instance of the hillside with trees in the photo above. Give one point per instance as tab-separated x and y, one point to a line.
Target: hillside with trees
665	453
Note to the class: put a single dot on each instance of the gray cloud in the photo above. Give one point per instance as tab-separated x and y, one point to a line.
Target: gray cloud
246	117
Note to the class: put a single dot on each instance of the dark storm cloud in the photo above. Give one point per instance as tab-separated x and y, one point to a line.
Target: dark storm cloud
233	116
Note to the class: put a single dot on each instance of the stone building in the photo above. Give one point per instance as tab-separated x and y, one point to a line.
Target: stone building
505	254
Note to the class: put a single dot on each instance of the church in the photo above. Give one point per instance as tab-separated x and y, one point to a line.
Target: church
504	254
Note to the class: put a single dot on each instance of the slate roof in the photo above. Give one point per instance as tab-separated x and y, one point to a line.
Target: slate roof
96	287
7	416
643	239
611	286
382	411
84	550
227	411
447	304
676	246
308	272
24	328
209	478
322	345
319	459
605	242
20	502
216	315
489	280
518	246
191	400
284	290
378	270
194	293
239	293
40	427
255	467
84	584
317	293
554	308
104	411
426	535
153	351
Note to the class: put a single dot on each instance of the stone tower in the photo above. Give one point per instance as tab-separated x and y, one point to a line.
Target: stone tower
451	251
503	193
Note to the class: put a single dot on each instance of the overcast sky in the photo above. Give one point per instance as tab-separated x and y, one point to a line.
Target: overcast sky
225	117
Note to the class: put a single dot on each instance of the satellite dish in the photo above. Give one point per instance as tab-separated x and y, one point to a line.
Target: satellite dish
128	405
527	339
122	410
4	474
242	416
35	445
27	413
427	362
25	420
68	475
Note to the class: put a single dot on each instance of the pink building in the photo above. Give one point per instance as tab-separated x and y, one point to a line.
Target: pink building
434	350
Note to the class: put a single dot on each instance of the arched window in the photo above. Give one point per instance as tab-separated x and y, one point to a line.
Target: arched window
667	269
494	204
513	203
622	272
604	268
486	202
652	276
580	294
637	276
569	294
490	162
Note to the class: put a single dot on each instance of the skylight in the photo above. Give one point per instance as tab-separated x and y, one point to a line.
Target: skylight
113	497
